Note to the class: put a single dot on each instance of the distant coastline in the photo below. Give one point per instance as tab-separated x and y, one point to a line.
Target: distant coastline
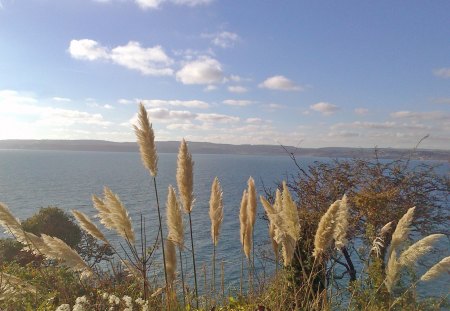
212	148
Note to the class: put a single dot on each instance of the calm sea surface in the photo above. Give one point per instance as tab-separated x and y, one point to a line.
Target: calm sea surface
33	179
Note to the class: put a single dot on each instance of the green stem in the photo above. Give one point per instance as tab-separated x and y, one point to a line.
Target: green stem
193	261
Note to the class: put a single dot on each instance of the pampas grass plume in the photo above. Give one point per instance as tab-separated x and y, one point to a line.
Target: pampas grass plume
340	230
216	210
324	234
392	269
87	225
251	205
174	219
438	269
401	230
289	214
243	216
171	261
119	218
146	140
410	256
58	249
185	177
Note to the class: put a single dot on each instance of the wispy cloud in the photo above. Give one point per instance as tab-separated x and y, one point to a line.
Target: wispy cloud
237	102
151	61
175	103
443	72
61	99
237	89
155	4
224	39
280	83
361	111
324	108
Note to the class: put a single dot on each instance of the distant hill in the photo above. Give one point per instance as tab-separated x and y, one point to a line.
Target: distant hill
211	148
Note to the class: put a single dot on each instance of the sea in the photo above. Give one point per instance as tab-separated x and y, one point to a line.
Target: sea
31	179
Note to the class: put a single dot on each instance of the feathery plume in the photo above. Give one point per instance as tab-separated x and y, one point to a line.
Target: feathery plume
146	140
171	261
392	268
378	242
341	227
216	210
243	217
7	220
185	177
271	214
251	206
289	214
410	256
87	225
401	230
58	249
120	220
325	229
174	219
103	212
287	250
440	268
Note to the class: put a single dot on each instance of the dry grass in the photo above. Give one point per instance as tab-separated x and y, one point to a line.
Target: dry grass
146	141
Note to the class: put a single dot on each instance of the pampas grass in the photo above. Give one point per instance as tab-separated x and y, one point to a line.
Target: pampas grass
325	230
216	210
146	141
87	225
58	249
243	216
378	242
410	256
185	177
441	268
118	218
340	231
185	183
216	216
401	231
392	269
174	219
171	261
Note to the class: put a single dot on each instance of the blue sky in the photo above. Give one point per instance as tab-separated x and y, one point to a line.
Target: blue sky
309	74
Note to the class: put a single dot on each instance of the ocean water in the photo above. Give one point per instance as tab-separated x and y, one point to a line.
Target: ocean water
33	179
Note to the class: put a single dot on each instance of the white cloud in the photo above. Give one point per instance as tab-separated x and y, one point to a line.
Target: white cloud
215	117
421	116
87	49
166	114
253	120
237	102
175	103
442	72
280	83
224	39
325	108
124	101
204	70
237	89
210	88
155	4
149	61
20	106
61	99
361	111
442	101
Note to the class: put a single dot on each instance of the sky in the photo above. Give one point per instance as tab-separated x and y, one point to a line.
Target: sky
299	73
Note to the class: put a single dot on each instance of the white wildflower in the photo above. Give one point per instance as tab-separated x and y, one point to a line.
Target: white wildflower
105	296
114	300
63	307
140	301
